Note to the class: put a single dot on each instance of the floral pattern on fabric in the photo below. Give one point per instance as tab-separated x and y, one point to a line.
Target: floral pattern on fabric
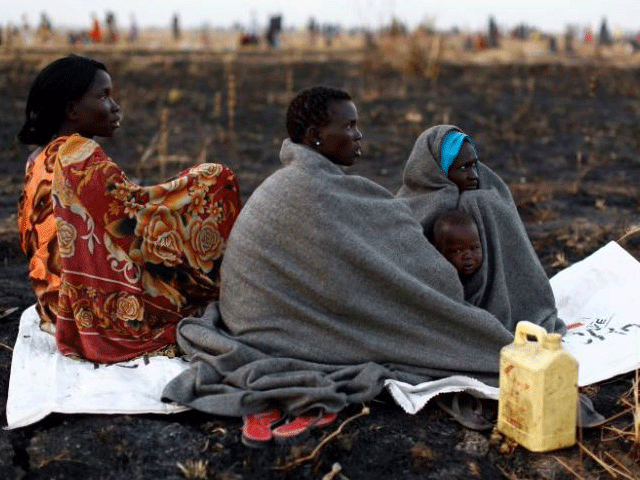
134	260
37	228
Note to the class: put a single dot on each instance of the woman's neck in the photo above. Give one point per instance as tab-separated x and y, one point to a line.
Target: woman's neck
67	129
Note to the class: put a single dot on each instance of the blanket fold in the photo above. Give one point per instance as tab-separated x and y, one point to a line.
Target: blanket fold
329	287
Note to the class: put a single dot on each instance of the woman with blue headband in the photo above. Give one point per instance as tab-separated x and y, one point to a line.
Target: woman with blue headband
444	173
459	160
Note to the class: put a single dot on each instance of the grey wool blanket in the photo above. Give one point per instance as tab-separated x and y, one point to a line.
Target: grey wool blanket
328	287
511	284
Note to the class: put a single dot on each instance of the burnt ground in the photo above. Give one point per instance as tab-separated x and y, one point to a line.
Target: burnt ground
565	138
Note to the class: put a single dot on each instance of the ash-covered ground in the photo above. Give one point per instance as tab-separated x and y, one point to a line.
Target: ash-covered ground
565	138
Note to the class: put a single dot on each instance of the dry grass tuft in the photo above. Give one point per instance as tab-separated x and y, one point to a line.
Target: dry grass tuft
333	473
581	235
571	470
194	468
620	465
422	455
633	404
631	231
420	53
560	260
619	470
474	469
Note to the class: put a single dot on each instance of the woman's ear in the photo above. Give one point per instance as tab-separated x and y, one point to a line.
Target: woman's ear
71	112
312	136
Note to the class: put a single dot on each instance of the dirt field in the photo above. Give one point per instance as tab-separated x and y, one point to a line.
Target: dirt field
565	138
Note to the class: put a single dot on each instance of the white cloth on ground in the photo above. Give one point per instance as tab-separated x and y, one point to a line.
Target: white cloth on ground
597	297
43	381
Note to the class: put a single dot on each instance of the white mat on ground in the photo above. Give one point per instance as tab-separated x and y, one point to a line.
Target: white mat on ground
599	301
597	297
43	381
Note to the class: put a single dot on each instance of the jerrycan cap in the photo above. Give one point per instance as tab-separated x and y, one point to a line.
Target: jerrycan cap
552	341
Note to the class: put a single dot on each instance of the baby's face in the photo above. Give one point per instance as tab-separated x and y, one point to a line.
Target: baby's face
461	246
464	169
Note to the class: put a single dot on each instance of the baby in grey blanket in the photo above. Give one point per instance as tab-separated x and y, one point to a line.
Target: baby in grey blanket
455	235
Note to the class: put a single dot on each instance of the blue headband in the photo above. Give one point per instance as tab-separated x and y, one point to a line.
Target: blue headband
450	147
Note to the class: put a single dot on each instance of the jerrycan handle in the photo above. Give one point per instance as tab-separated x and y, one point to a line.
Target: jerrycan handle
524	328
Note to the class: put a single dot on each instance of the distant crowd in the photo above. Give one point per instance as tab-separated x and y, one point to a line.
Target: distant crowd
108	32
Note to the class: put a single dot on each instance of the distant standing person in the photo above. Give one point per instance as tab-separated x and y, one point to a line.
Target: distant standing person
112	30
114	265
273	33
588	35
175	28
204	36
96	32
605	36
27	38
313	30
493	33
568	40
44	29
133	29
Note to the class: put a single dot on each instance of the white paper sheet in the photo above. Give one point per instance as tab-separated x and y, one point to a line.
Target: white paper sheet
599	300
43	381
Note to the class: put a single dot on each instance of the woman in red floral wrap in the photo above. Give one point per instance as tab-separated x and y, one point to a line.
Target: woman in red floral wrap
114	265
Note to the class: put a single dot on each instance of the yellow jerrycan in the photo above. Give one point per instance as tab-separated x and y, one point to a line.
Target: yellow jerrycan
538	400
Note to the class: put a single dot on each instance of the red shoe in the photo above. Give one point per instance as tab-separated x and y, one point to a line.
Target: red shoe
256	429
300	425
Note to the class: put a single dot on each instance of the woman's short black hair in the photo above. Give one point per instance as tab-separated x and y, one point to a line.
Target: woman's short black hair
62	81
311	108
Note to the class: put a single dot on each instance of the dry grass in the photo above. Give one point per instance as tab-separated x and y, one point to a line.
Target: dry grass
194	469
612	470
630	232
336	468
615	462
631	402
560	260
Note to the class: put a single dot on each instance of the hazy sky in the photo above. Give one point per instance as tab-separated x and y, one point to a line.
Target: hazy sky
549	15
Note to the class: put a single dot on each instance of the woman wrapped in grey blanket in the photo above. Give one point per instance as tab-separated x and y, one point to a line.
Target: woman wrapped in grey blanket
443	172
328	287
